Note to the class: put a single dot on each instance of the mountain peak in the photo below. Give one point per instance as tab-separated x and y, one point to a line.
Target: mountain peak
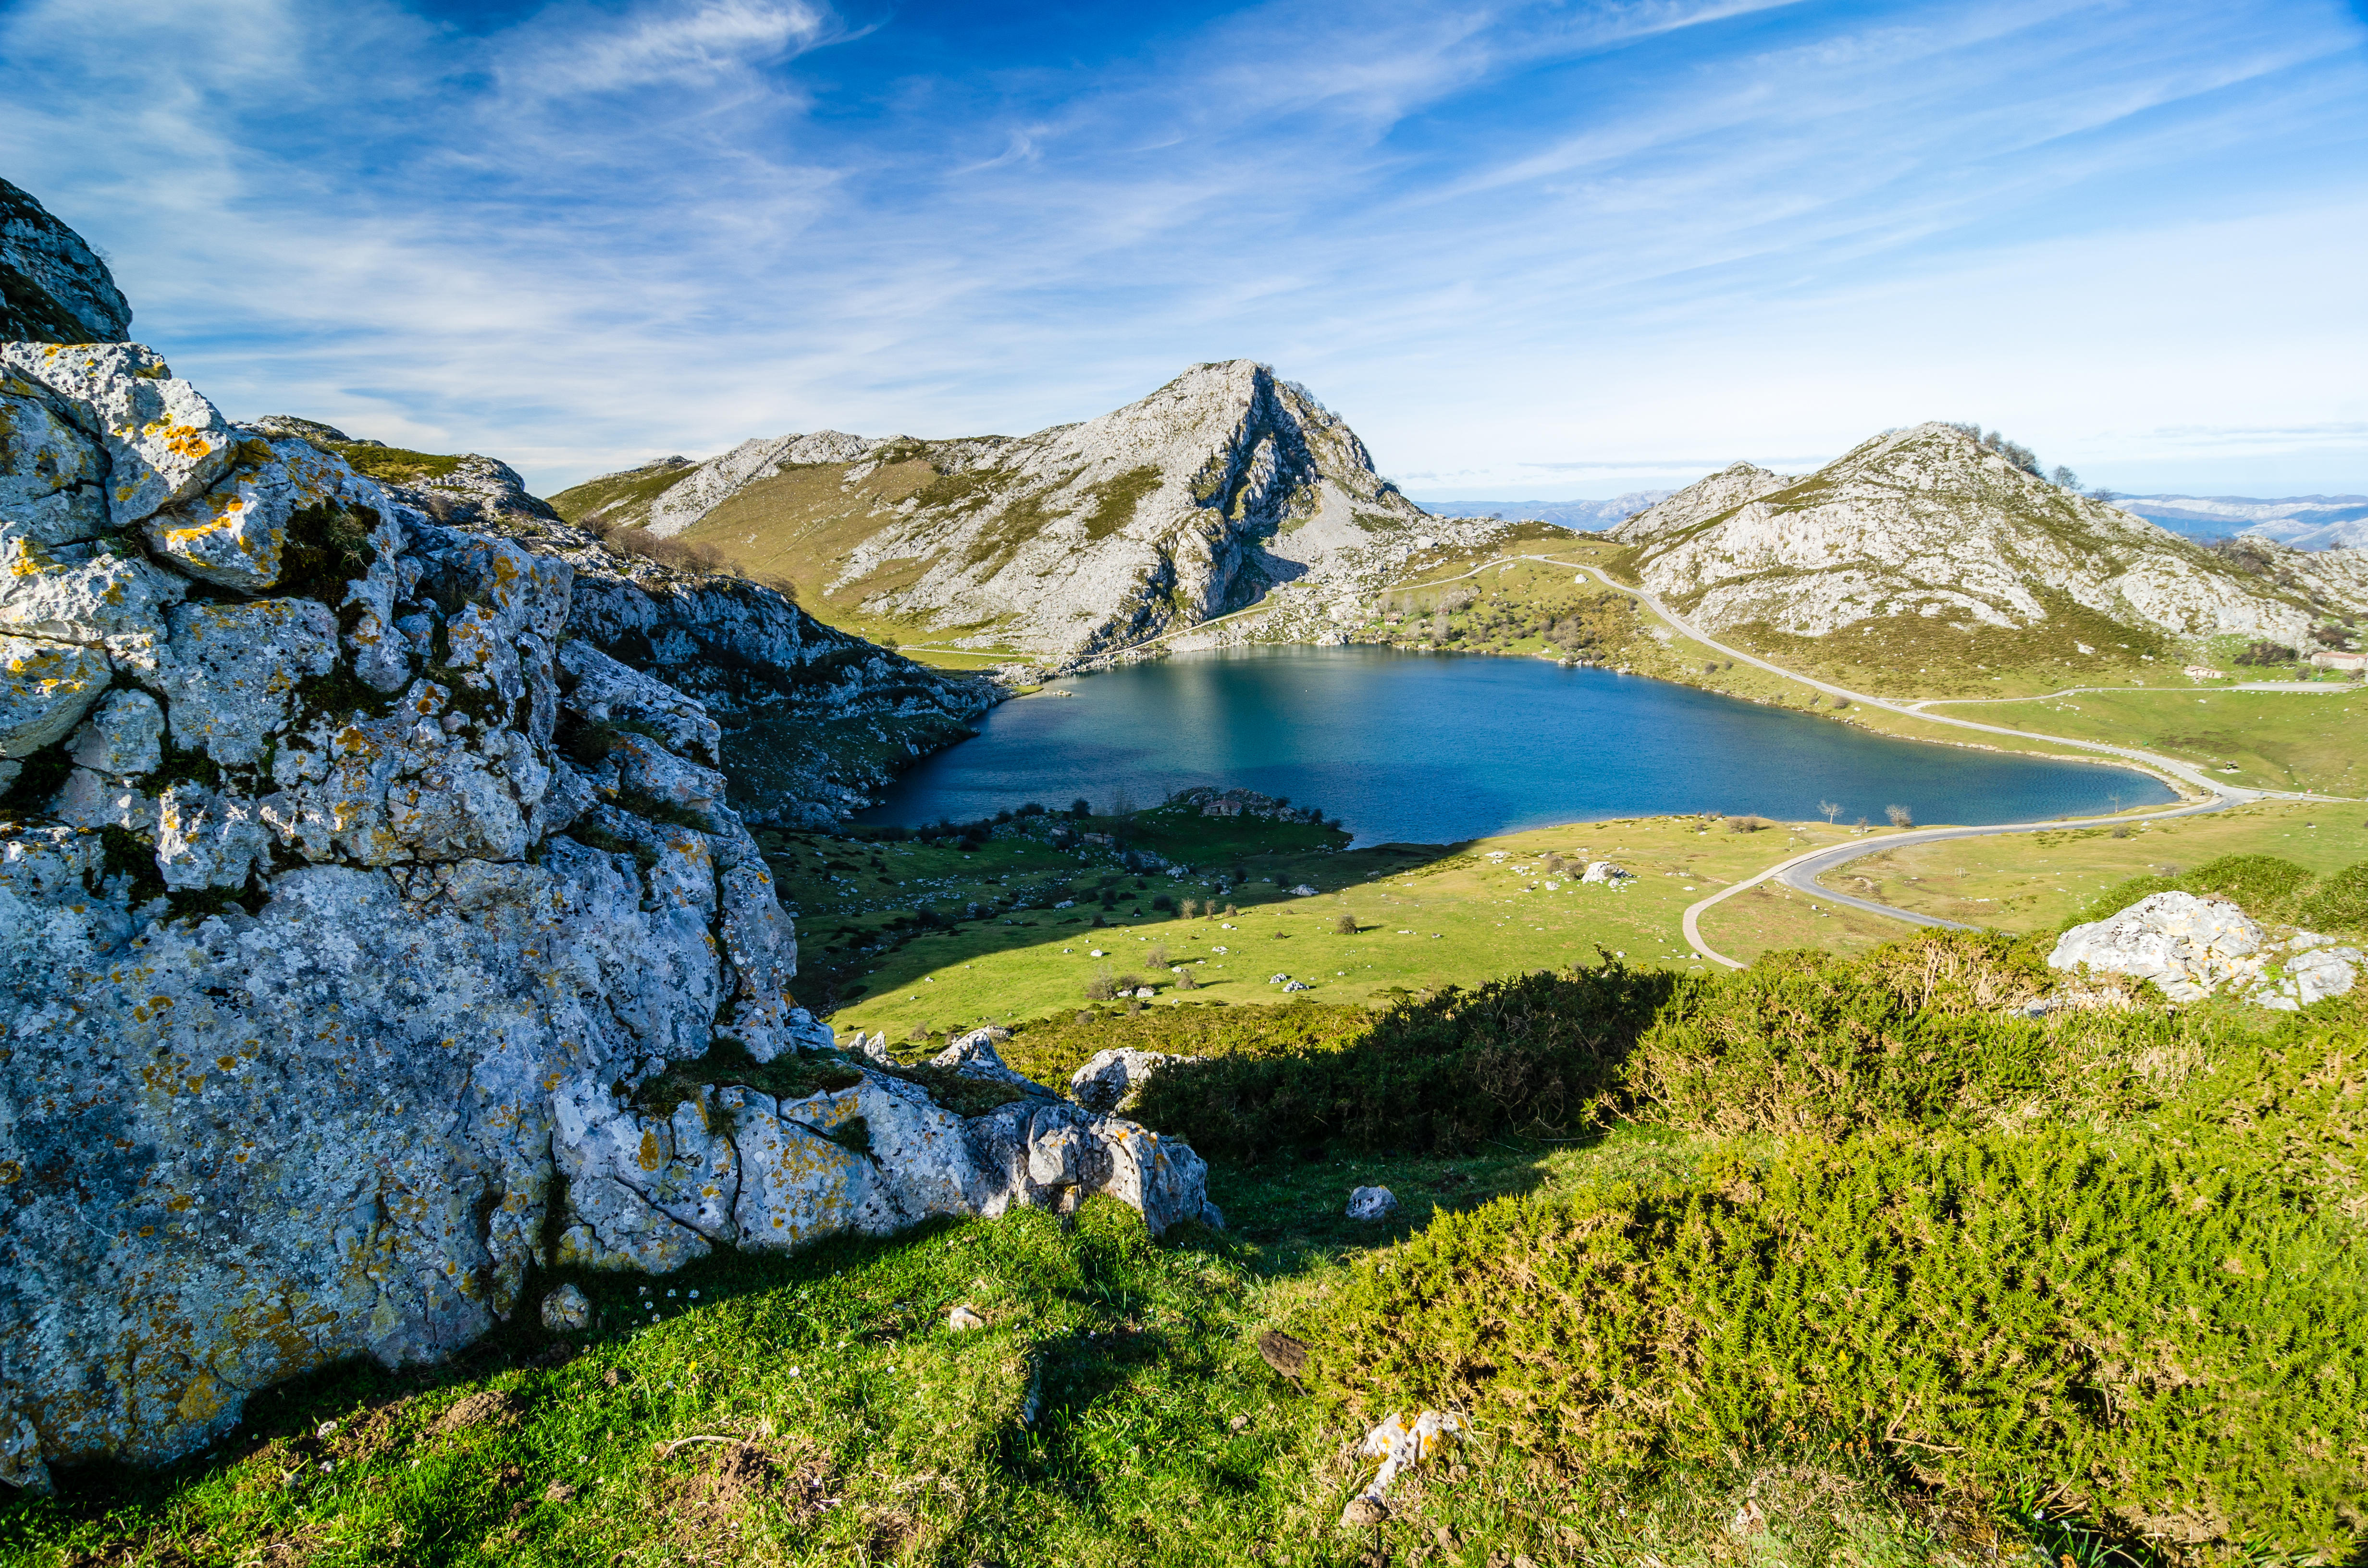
1190	502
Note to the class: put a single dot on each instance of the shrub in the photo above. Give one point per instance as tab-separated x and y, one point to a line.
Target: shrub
2338	899
1191	908
1527	1053
1816	1043
1344	923
2264	886
1900	816
2178	1347
2267	652
1748	824
1157	955
1185	982
1161	903
1101	987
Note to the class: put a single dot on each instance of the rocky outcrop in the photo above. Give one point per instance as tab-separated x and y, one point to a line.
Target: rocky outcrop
1078	540
1929	523
2191	947
351	908
812	722
54	287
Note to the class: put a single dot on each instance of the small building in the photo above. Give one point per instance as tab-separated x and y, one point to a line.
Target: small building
2203	672
2331	659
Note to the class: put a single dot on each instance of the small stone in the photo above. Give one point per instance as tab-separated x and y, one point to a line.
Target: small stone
1238	1424
566	1308
965	1318
1373	1203
559	1491
1364	1510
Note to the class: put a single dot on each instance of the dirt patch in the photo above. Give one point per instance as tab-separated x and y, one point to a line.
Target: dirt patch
372	1432
744	1474
489	1408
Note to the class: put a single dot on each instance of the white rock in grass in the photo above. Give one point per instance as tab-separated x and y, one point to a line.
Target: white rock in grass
1111	1079
1373	1203
2186	945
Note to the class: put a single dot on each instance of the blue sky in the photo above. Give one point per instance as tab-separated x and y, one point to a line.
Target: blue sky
1529	251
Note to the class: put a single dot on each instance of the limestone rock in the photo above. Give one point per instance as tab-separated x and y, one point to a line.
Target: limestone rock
164	442
1111	1079
2312	970
1601	871
54	287
236	533
973	1056
1371	1203
45	688
230	684
339	1112
124	736
52	476
81	593
2186	945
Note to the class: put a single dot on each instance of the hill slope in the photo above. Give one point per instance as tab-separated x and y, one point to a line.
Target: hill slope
1921	544
1082	538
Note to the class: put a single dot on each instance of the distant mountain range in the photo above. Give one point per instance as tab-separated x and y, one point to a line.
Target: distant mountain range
2299	522
1586	517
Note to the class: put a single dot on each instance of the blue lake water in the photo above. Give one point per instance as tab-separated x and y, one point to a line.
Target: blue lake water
1437	748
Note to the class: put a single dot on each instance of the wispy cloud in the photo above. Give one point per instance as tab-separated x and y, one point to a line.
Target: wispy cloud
1519	243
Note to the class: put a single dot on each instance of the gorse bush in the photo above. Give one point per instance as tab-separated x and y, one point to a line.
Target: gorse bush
2179	1349
1529	1053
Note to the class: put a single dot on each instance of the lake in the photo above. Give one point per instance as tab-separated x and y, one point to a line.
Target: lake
1426	748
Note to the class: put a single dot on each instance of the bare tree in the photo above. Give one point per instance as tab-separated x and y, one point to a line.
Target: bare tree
1900	816
1830	809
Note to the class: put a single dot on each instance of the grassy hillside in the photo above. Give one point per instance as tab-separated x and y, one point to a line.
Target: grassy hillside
2035	883
906	936
2315	741
1828	1262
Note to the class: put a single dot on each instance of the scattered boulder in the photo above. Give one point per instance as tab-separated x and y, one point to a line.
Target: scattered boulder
1605	872
1373	1203
965	1317
566	1308
1111	1080
1400	1444
973	1056
2191	946
1303	891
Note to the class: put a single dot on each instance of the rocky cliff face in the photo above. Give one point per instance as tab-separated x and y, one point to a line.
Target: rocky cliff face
1079	539
1925	522
369	937
53	288
813	722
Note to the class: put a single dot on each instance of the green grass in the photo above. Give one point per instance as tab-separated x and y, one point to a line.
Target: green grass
394	465
2035	882
1428	916
2315	741
618	498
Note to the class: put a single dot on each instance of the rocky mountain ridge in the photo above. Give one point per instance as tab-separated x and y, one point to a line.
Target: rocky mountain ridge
1079	541
369	937
1927	523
